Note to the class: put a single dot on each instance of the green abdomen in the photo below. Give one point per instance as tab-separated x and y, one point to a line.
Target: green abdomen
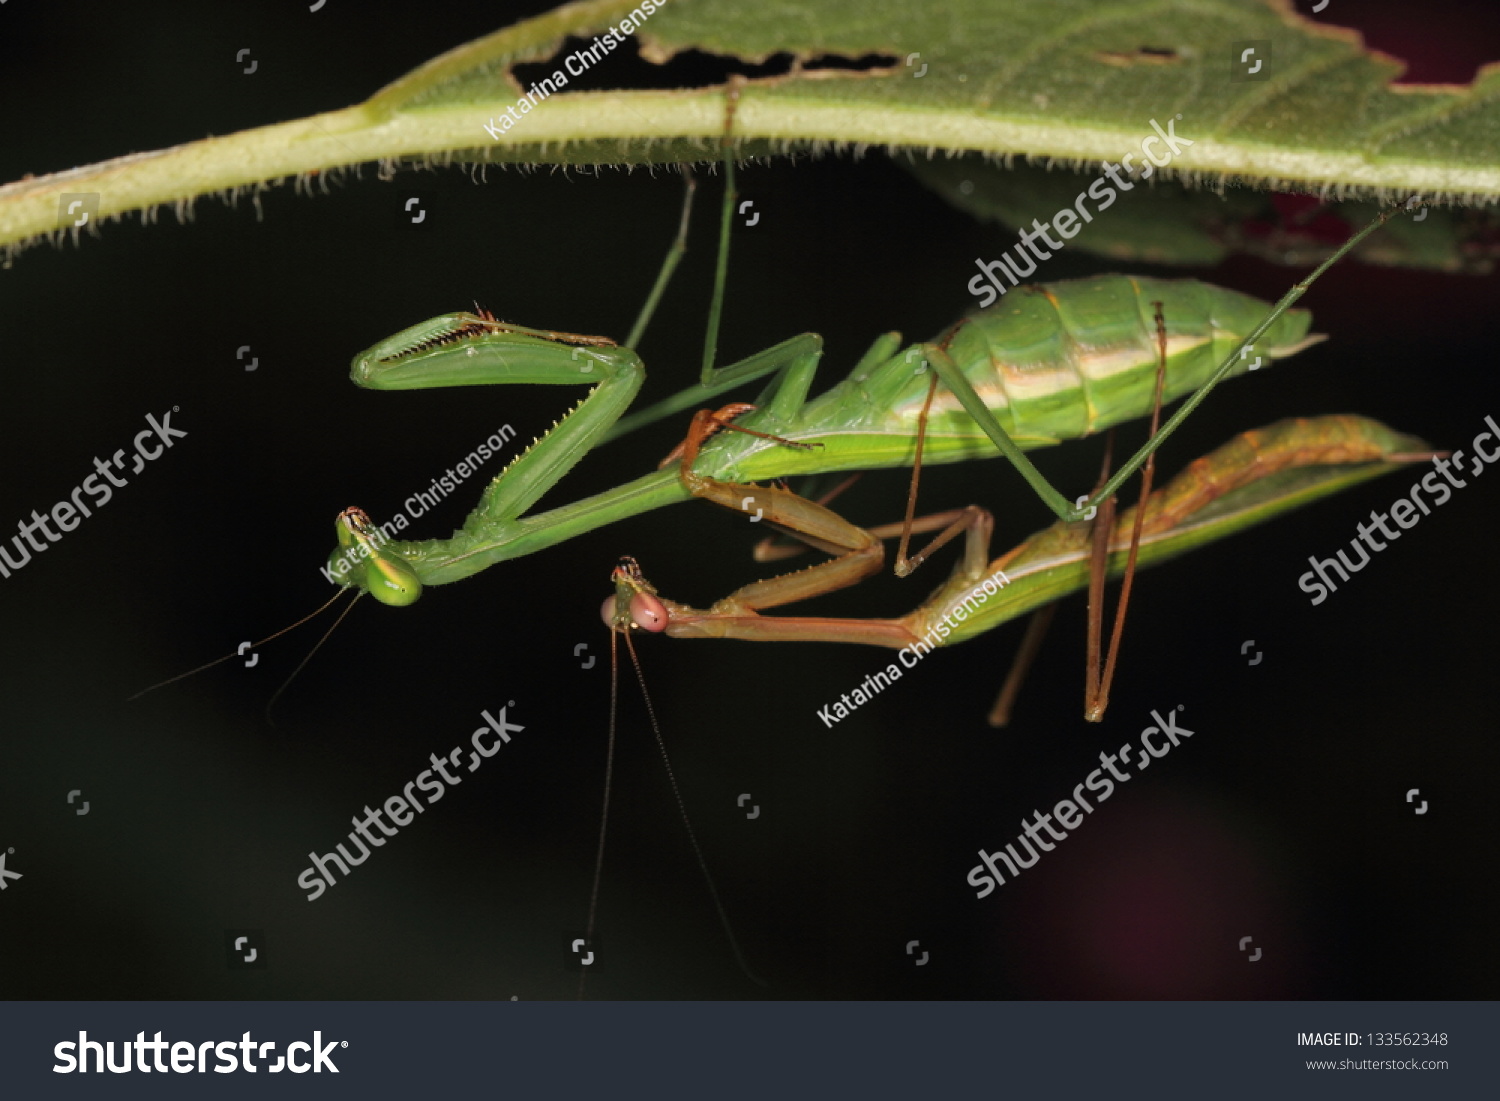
1061	360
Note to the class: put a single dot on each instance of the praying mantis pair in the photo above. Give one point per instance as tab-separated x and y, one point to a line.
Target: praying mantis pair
1047	363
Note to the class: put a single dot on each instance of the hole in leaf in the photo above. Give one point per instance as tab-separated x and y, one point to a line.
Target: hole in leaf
625	67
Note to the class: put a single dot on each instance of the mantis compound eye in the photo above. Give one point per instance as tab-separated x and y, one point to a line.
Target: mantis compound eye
646	613
392	582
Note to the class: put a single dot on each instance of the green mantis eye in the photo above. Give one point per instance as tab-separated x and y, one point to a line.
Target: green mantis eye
360	562
391	582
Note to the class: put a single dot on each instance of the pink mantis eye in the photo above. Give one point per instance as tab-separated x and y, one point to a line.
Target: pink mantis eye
648	613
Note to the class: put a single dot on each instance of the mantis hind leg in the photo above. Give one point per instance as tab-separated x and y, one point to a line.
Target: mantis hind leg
1096	692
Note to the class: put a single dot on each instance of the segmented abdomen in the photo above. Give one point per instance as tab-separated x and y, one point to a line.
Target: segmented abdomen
1061	360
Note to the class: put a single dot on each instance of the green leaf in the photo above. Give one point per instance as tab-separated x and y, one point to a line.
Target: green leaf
1072	80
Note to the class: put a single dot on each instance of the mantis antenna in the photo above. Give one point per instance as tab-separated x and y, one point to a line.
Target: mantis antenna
256	645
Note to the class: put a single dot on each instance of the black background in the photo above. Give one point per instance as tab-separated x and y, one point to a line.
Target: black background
1282	819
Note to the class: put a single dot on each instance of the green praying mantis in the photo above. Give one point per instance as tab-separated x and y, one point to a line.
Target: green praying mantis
1046	364
1051	363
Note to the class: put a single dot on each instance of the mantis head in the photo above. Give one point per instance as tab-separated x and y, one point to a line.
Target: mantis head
361	563
635	605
